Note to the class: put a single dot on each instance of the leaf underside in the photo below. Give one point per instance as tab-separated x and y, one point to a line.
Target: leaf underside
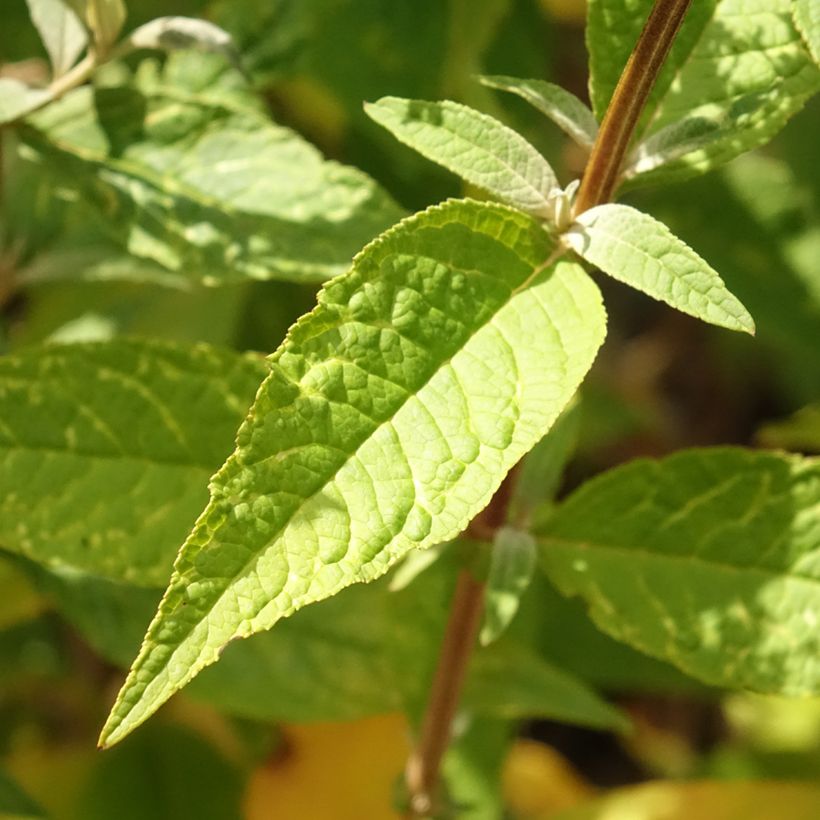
390	417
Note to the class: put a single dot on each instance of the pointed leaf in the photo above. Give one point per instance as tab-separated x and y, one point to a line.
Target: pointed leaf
709	559
560	105
186	170
739	63
636	249
130	432
473	145
61	31
510	680
390	417
512	562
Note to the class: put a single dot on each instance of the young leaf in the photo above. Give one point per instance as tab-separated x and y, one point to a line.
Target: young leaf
187	171
512	563
105	18
176	33
800	432
739	63
18	99
61	31
473	145
131	432
707	559
636	249
561	106
390	417
806	14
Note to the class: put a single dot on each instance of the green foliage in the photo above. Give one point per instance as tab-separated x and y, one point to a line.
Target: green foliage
476	147
131	431
706	559
62	32
807	20
188	172
636	249
326	464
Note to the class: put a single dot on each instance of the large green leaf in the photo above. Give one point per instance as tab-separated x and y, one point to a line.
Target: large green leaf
391	415
473	145
636	249
107	450
739	69
187	170
806	15
709	559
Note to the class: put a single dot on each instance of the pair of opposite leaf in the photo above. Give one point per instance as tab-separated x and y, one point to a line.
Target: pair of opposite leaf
621	241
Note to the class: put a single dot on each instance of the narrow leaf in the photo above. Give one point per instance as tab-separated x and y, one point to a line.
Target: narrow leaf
509	680
636	249
130	432
187	170
512	563
806	14
18	99
560	105
390	417
709	559
473	145
61	31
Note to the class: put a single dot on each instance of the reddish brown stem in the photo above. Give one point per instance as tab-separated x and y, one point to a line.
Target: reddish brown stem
462	627
628	101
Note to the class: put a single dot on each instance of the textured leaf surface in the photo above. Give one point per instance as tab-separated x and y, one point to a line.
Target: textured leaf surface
473	145
713	800
709	559
391	415
806	15
186	170
61	31
636	249
106	450
740	64
560	105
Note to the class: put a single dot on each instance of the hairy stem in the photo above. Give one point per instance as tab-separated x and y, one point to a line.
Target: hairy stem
598	186
628	101
422	773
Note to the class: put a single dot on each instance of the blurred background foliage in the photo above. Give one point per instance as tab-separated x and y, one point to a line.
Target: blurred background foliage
305	721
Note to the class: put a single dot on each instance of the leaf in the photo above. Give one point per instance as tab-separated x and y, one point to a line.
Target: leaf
806	14
636	249
62	32
175	33
473	145
740	64
512	563
18	99
186	170
800	432
707	559
105	18
15	804
561	106
390	417
511	681
704	799
168	772
130	432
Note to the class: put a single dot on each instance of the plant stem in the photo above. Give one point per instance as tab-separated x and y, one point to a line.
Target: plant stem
628	101
422	772
598	186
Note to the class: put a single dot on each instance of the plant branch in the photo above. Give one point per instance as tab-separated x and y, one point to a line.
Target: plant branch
628	101
423	767
598	186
